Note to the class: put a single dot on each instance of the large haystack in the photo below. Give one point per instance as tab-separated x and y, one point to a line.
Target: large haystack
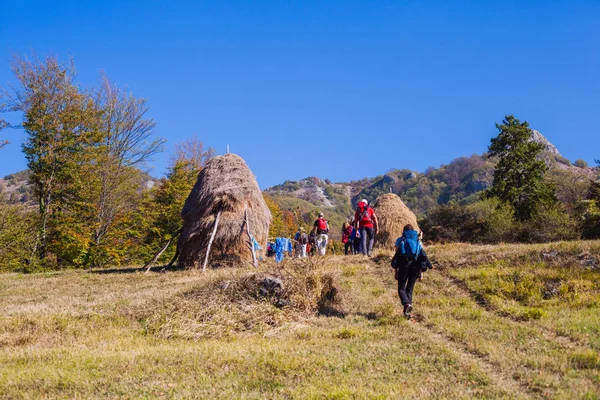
392	215
227	184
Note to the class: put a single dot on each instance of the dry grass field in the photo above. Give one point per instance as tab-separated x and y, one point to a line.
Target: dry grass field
508	321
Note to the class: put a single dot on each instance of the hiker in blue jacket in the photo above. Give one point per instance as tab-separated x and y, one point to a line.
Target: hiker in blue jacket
410	261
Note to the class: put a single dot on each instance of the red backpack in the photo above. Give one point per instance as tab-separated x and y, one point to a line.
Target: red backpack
365	217
322	226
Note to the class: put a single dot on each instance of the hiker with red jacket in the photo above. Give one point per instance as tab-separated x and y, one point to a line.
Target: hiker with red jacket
365	221
321	229
409	261
346	238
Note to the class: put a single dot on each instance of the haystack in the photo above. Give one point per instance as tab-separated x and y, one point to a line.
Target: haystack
226	188
392	215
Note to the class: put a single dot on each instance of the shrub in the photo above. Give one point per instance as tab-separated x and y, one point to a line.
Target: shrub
550	224
484	221
590	219
18	237
492	221
580	163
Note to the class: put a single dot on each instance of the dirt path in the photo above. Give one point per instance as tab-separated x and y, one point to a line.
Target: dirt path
419	322
487	341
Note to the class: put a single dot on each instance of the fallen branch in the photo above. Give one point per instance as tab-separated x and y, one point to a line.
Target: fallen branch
148	265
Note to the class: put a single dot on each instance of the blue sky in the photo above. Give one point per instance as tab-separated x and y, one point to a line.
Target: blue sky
338	89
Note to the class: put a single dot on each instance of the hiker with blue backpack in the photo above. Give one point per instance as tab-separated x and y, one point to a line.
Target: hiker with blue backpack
410	261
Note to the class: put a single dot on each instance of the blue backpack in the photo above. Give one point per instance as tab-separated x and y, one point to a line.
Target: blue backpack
410	246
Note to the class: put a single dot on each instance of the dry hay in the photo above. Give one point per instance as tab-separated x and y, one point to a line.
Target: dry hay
231	302
392	215
227	184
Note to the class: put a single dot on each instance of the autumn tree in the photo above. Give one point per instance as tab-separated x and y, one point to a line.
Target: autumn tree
112	180
519	175
60	122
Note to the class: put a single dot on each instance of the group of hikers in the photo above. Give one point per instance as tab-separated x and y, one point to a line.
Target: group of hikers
358	235
409	261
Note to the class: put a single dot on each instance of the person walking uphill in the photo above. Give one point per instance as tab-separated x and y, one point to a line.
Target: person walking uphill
347	239
410	261
321	229
301	240
365	221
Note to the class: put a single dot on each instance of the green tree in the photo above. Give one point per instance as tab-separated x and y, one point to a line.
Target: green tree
519	175
60	122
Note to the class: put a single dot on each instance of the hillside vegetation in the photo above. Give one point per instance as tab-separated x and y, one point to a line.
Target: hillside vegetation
508	321
86	202
461	181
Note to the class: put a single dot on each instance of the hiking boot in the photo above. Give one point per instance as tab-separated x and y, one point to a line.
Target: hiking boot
407	310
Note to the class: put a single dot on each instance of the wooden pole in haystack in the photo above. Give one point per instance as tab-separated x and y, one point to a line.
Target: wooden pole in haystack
212	236
250	238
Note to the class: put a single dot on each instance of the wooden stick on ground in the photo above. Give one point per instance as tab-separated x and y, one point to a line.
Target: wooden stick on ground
159	253
212	236
156	256
250	238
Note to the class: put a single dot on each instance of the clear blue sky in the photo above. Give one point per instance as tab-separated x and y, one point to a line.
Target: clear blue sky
337	89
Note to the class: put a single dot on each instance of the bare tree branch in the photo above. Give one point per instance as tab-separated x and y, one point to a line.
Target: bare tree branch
194	152
127	130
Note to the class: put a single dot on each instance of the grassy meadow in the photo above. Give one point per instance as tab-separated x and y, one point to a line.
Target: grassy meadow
507	321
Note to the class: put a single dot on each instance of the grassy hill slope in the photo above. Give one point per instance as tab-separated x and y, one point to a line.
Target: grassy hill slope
516	321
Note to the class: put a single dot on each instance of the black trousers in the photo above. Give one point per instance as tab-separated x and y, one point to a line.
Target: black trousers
407	277
349	247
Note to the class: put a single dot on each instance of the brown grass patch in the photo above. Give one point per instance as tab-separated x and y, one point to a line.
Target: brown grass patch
242	302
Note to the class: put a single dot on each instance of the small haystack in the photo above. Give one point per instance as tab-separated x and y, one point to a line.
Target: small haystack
392	215
225	188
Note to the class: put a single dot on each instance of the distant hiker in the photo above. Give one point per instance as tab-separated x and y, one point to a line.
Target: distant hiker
321	229
347	230
301	239
410	261
365	221
311	246
270	249
355	236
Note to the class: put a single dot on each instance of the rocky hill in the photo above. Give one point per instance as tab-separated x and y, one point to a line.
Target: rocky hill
461	180
15	188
